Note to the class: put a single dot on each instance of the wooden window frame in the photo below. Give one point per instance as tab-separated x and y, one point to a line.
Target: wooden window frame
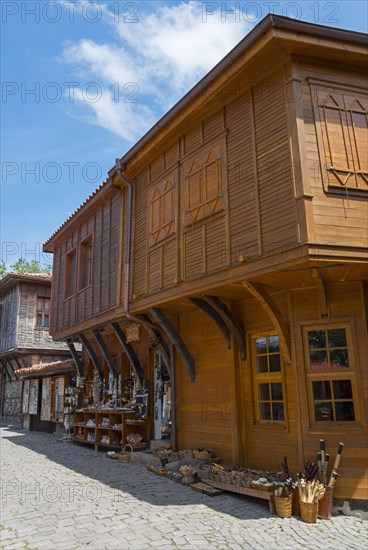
267	378
331	375
86	243
43	312
317	88
70	292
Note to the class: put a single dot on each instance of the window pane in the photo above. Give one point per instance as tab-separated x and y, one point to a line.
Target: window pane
273	344
264	392
339	359
337	338
323	412
318	360
278	411
262	364
265	411
47	304
322	390
316	339
39	320
275	363
342	389
276	391
39	304
46	321
345	411
261	345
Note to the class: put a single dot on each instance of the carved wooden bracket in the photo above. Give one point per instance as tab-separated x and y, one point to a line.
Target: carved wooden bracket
211	312
91	352
105	351
4	363
271	308
130	352
322	291
158	342
77	360
176	340
231	322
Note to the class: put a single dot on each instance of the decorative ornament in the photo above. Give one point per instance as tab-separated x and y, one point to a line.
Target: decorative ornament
132	332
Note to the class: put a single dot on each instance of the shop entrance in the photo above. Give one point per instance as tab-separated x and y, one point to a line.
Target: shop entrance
162	399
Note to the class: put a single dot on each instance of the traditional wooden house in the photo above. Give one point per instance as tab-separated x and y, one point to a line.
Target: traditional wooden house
27	352
238	227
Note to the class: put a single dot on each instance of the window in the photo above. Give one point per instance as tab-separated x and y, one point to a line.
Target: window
71	274
43	313
85	263
343	136
161	218
203	185
267	374
329	375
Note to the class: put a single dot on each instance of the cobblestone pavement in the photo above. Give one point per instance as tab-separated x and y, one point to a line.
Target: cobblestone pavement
57	496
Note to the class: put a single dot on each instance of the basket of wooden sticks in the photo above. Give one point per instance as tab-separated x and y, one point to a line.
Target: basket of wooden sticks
310	493
283	502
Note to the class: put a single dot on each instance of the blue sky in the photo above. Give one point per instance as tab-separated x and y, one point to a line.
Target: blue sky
82	80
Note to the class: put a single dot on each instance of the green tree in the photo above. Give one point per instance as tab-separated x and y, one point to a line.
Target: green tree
22	266
2	269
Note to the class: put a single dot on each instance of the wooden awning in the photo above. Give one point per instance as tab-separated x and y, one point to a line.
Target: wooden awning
57	367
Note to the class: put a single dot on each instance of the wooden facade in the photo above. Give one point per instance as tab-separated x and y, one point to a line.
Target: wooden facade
249	228
24	335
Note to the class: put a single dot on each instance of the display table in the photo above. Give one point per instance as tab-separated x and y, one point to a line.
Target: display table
249	491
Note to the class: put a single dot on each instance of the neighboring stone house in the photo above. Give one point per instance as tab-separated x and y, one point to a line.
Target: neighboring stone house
25	340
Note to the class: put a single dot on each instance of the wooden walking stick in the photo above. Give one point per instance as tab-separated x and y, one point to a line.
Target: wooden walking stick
319	461
338	456
322	449
333	479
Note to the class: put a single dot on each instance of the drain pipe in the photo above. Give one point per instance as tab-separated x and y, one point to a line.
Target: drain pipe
119	171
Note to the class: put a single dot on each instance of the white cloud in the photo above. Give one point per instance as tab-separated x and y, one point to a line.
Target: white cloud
165	54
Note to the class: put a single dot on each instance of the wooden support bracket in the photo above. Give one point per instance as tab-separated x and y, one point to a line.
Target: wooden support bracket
5	366
158	341
92	354
175	339
322	291
212	313
231	322
271	308
77	359
105	351
130	352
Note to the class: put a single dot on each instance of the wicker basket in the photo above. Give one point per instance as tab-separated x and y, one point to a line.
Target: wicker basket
284	506
308	511
296	508
125	455
188	480
326	504
203	455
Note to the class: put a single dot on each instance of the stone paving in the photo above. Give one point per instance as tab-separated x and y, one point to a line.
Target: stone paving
56	496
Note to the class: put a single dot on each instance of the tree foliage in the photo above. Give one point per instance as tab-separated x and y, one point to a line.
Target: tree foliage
23	266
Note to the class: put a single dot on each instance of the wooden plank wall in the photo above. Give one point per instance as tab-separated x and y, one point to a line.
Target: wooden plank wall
9	314
103	224
217	410
27	335
339	215
249	137
206	408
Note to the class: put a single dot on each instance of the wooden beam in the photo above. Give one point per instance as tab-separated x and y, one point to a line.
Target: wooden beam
175	339
5	366
92	354
129	351
212	313
322	292
16	359
105	351
271	308
232	323
158	341
77	360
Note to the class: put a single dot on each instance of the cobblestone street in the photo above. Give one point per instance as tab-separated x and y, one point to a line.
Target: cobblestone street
59	496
